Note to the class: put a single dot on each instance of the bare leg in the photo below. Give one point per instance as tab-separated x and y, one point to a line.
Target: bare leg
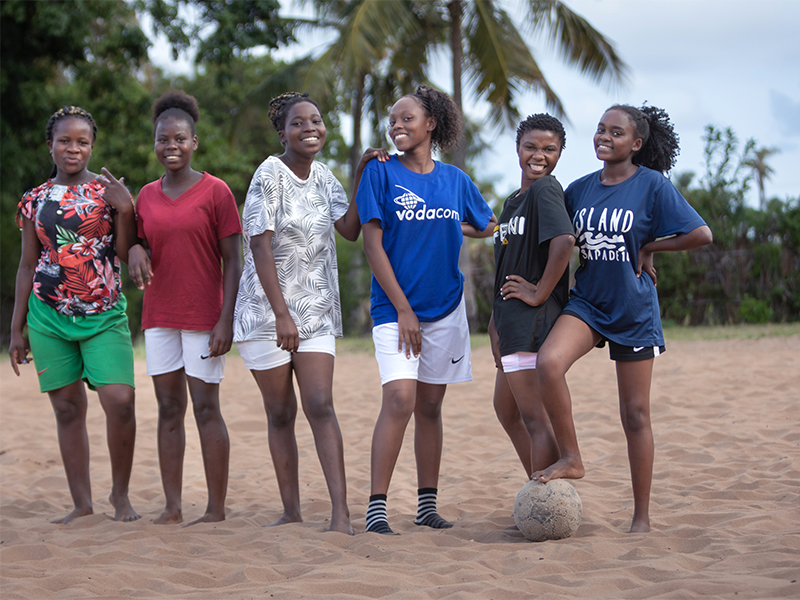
171	395
505	407
314	372
69	405
117	401
280	405
633	382
428	437
544	449
397	406
214	445
569	339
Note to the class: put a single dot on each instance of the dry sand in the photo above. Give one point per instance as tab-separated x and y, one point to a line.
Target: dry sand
725	506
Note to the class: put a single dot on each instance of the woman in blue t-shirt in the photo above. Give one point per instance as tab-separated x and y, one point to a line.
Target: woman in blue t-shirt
414	213
622	215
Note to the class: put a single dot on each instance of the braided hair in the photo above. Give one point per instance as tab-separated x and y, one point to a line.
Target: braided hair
660	143
66	112
279	107
448	118
542	122
179	105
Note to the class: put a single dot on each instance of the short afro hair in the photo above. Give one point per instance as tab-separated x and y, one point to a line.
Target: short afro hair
542	122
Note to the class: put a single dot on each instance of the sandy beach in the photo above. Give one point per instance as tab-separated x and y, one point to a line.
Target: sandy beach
725	505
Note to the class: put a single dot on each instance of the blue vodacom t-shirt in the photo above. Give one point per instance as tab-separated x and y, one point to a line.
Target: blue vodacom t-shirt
421	219
612	222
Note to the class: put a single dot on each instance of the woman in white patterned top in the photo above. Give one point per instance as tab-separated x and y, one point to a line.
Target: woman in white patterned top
287	310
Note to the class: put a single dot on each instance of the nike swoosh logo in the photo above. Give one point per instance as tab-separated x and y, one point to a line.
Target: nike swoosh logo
454	361
638	348
42	371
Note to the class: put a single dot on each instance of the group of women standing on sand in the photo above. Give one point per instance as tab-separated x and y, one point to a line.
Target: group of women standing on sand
281	307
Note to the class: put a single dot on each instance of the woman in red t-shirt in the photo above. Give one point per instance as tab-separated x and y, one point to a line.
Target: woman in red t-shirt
189	262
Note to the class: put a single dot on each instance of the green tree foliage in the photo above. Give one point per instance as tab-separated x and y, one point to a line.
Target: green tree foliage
87	53
751	273
220	29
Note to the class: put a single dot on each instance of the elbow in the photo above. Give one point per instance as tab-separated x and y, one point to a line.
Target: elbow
706	235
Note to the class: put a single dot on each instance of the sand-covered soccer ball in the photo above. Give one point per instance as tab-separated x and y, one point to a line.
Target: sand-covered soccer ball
548	511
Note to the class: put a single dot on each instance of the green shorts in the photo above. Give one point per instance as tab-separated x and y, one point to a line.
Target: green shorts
95	348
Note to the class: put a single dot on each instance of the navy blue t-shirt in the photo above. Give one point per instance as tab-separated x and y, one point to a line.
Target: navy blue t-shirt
421	216
612	222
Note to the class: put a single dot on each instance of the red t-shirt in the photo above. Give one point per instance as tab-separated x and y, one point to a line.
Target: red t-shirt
183	234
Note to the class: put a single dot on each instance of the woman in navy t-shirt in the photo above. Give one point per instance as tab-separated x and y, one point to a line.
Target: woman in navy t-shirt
622	215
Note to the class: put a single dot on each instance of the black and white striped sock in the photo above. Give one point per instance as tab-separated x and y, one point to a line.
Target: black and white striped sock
426	510
377	519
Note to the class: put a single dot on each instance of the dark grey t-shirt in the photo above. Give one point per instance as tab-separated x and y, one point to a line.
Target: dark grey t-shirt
521	247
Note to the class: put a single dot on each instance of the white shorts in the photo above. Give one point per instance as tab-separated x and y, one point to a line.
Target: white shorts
171	349
262	355
519	361
444	357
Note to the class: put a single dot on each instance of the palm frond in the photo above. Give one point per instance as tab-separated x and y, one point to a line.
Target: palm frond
577	41
499	64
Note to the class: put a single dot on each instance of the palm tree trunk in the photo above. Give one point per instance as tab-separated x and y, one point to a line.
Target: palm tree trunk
456	11
358	108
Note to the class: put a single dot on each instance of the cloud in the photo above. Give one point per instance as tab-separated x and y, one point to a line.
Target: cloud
786	112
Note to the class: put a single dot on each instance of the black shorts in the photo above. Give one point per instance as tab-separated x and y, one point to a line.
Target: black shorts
622	353
631	353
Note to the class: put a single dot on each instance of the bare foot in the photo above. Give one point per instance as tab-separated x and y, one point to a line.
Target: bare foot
287	518
640	526
208	518
512	528
342	525
78	512
169	517
124	510
564	468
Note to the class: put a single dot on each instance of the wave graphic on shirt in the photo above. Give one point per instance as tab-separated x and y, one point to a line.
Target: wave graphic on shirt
601	242
407	200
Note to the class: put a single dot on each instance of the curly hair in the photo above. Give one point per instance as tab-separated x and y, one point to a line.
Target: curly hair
542	122
280	105
660	143
177	104
66	112
448	118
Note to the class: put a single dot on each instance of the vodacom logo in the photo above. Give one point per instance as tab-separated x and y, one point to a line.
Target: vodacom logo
412	211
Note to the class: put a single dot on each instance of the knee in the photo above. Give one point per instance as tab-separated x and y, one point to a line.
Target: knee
280	415
319	407
635	419
398	406
67	413
205	412
507	412
549	368
119	404
170	408
429	409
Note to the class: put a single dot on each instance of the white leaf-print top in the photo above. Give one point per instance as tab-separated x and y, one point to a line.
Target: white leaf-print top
301	213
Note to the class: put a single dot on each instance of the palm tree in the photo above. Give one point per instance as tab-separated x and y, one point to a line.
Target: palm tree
383	49
381	52
758	162
498	64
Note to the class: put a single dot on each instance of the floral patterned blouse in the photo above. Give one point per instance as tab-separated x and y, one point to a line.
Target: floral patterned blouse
78	270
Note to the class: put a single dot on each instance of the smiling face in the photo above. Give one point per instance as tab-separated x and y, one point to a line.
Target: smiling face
174	143
71	146
305	131
538	152
409	125
615	140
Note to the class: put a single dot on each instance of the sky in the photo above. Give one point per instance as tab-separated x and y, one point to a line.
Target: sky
727	63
